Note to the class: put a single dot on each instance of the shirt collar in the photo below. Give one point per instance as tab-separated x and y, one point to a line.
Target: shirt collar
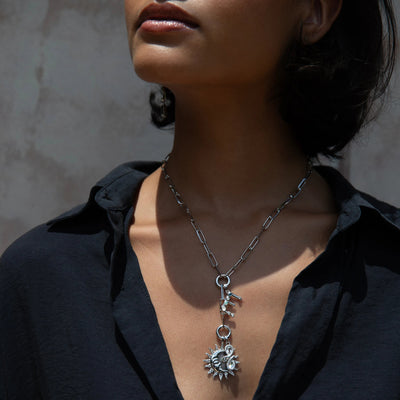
113	192
117	189
352	204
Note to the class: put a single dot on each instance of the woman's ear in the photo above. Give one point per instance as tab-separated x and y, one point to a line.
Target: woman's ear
321	14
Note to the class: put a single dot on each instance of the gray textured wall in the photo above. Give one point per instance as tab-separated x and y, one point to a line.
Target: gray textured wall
71	109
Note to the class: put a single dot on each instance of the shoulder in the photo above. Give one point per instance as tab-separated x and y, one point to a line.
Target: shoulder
25	251
353	203
375	224
379	225
378	233
79	236
44	251
28	246
377	241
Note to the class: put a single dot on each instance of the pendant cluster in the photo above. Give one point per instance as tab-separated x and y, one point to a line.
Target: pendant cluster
222	361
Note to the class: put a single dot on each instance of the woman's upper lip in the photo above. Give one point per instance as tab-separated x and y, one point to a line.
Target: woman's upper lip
165	11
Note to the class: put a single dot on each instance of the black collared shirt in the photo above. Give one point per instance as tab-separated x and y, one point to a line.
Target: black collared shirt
76	320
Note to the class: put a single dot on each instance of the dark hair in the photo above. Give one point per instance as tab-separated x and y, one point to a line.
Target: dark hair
330	88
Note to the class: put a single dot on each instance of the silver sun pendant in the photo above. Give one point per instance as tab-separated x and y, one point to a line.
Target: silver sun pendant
222	362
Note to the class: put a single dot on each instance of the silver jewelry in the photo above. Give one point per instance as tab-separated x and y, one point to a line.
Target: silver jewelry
222	361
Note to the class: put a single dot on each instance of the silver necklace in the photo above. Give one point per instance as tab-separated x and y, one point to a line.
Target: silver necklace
222	361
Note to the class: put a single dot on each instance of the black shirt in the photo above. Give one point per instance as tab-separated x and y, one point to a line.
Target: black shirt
76	320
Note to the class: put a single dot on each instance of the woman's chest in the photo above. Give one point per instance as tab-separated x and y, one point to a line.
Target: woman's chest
195	350
188	309
188	304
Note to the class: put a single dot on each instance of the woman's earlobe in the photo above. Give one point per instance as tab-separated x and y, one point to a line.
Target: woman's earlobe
322	14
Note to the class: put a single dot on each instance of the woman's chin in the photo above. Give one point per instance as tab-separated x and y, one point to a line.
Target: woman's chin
152	73
148	73
161	71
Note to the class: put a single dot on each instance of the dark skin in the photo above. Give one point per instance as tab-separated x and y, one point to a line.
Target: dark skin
234	161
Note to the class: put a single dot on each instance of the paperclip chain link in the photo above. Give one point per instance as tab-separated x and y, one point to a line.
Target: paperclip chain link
254	242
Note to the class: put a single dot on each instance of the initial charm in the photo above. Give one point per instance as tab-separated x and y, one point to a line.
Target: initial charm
226	300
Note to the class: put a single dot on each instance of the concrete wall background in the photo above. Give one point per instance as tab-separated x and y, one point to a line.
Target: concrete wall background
71	109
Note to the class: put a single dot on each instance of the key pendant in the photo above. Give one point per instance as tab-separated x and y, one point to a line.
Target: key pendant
222	361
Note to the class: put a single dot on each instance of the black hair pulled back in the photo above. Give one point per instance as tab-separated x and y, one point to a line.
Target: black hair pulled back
330	88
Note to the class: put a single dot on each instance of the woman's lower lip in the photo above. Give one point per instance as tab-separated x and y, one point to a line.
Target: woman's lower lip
159	26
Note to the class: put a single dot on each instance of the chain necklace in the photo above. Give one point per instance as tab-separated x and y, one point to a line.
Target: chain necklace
222	361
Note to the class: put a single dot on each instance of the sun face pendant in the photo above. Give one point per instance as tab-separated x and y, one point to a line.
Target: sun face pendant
222	362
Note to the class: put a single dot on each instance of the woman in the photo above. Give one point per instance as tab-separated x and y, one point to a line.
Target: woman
234	269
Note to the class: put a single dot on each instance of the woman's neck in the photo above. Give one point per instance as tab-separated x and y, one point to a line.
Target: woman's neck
232	149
